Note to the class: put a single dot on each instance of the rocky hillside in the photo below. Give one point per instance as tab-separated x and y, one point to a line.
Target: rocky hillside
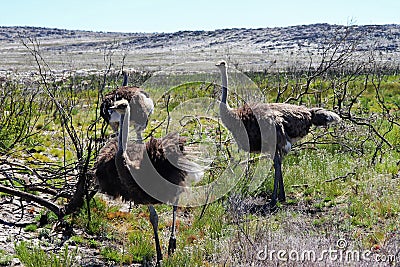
248	48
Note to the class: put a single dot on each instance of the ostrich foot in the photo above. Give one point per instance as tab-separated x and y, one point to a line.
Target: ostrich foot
171	245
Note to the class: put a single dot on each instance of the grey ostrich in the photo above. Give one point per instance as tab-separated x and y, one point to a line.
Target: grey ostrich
291	123
137	164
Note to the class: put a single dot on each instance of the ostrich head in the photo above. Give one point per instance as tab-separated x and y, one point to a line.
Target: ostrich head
140	107
120	106
221	65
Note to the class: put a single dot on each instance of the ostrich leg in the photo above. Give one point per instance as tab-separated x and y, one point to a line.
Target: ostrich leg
277	180
172	239
154	223
278	172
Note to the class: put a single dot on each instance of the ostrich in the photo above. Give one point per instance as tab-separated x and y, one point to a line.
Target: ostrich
291	123
126	92
146	162
141	107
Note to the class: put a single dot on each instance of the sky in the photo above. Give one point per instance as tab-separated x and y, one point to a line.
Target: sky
174	15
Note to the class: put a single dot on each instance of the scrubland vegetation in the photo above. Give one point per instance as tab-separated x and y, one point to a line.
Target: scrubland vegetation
342	182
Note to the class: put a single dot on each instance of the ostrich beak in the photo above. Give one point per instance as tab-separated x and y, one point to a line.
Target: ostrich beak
119	105
115	107
220	63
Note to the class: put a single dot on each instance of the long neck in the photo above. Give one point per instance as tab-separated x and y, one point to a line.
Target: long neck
224	77
125	82
228	116
139	138
124	130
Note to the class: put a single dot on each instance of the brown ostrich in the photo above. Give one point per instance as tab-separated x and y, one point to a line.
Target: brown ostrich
255	126
143	167
141	108
127	92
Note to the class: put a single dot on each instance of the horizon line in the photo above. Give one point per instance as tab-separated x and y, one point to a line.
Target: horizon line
198	30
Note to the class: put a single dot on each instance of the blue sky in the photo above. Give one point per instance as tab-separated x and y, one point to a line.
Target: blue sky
174	15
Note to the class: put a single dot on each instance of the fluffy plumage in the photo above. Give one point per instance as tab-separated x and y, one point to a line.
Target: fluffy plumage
151	160
256	126
106	173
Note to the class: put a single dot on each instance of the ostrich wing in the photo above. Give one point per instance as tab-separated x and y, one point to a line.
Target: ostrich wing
106	173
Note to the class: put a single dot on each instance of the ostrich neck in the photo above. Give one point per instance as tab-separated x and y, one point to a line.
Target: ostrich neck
139	139
124	130
224	76
125	82
228	117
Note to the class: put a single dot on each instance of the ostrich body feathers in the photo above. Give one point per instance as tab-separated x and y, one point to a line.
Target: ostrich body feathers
253	122
159	157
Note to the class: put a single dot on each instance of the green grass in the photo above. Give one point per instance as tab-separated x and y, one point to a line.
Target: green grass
5	258
140	247
98	224
129	235
33	256
360	206
334	190
112	255
30	228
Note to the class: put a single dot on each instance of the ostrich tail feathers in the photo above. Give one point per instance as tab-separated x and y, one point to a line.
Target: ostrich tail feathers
323	117
172	143
194	171
172	149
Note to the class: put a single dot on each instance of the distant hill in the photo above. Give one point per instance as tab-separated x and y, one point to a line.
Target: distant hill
248	48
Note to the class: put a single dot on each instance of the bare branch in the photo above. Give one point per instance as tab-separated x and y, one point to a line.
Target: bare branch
30	197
